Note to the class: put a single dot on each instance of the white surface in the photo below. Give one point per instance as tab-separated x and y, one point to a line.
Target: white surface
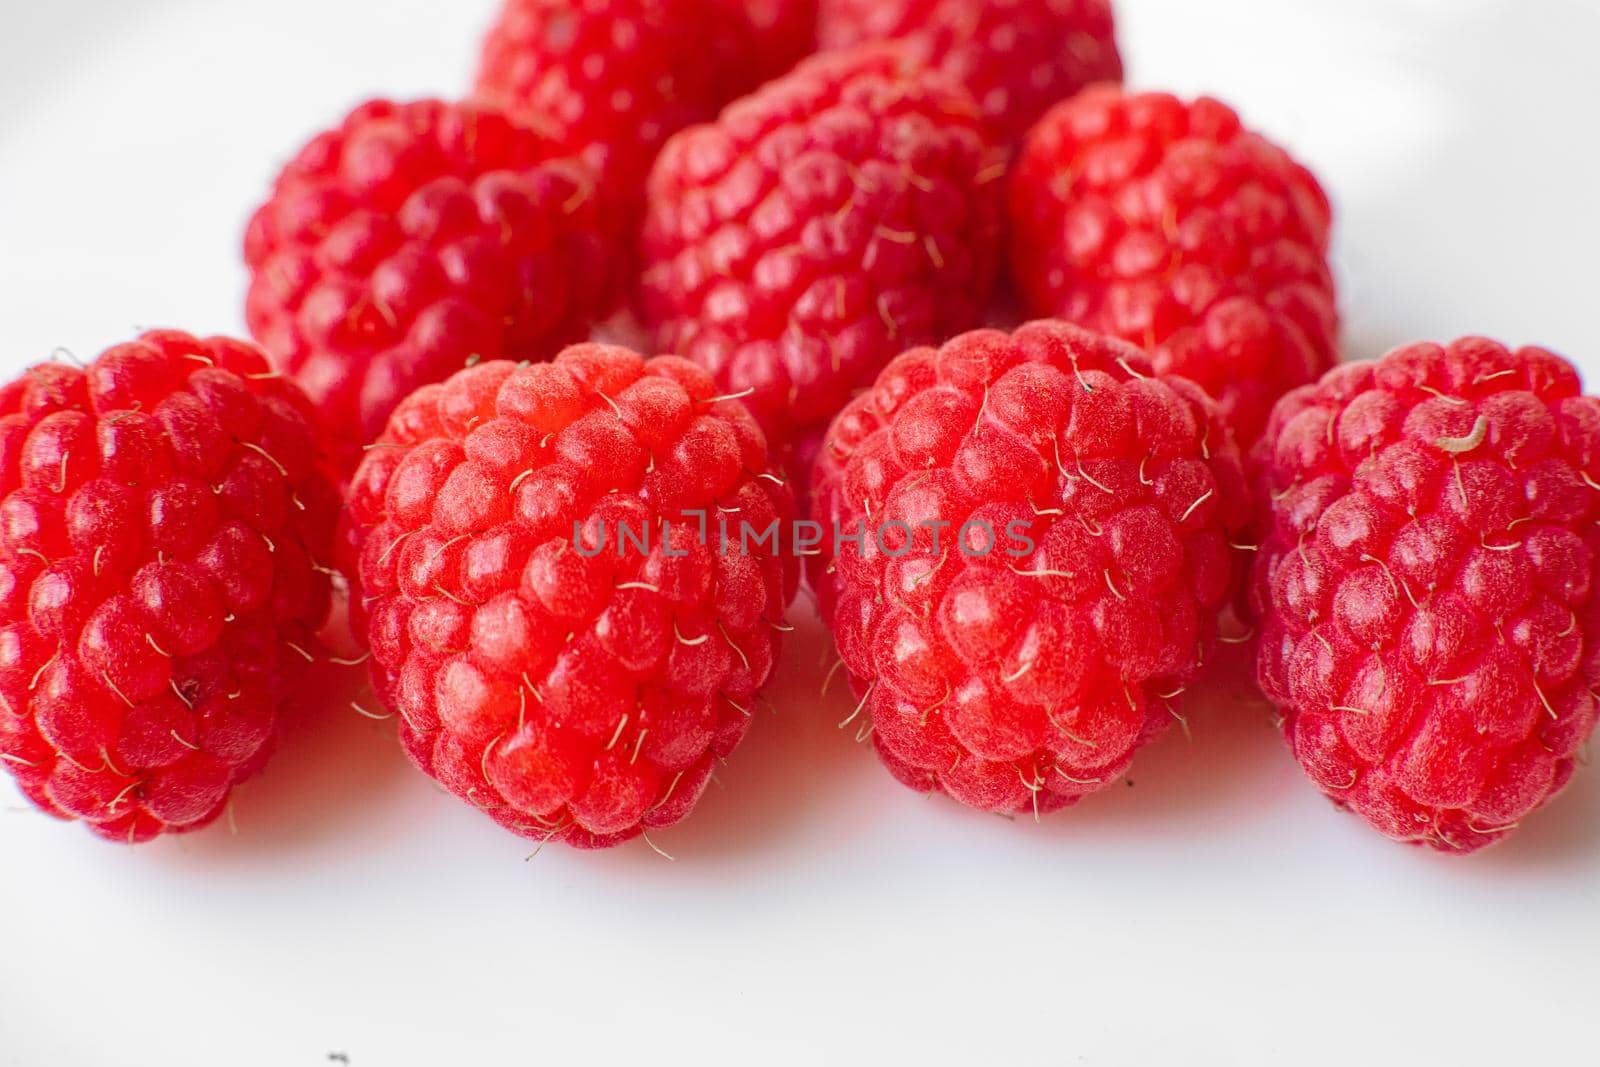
1218	911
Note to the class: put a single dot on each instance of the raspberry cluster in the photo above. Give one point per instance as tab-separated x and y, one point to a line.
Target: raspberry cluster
1087	511
1170	225
569	679
414	237
1431	629
841	214
163	525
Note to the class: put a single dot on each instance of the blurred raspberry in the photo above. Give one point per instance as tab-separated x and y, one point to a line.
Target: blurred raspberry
821	226
1016	57
1047	547
611	80
1430	625
414	238
163	522
1169	225
577	687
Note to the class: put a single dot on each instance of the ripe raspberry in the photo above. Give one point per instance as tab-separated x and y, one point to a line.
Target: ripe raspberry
581	694
1024	677
1169	225
162	520
412	238
1430	625
613	79
1016	57
818	228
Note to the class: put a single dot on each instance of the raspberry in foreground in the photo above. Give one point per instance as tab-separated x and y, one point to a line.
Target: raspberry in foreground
611	80
1426	588
1023	677
820	227
1169	225
572	687
414	237
162	531
1016	57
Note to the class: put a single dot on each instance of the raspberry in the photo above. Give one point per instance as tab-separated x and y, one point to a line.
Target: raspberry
613	79
1024	676
412	238
1016	57
1169	225
818	228
162	515
1430	625
580	693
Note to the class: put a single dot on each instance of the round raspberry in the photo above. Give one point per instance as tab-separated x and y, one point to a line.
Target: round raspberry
1169	225
1430	622
820	227
553	612
613	79
1016	57
1047	545
162	519
413	238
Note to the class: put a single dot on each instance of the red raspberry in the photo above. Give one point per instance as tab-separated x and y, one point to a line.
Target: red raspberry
1430	624
1016	57
818	228
581	694
1169	225
613	79
162	520
415	237
1024	677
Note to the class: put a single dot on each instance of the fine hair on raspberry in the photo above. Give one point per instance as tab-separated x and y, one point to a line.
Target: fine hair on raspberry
569	684
1430	627
165	525
1024	679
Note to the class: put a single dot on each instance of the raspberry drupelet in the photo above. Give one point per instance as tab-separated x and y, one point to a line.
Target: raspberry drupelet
1016	57
818	228
572	685
1023	677
163	525
1430	626
1171	226
413	237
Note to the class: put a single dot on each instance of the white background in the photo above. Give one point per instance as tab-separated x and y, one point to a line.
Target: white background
1213	910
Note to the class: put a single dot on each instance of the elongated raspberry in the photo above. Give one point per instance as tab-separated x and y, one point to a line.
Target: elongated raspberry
1047	545
413	238
163	518
1016	57
613	79
1170	225
558	656
1430	623
822	225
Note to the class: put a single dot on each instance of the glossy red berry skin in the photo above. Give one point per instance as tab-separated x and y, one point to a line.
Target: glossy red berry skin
581	695
1171	226
1024	678
416	236
1429	620
613	79
163	523
1016	57
819	227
